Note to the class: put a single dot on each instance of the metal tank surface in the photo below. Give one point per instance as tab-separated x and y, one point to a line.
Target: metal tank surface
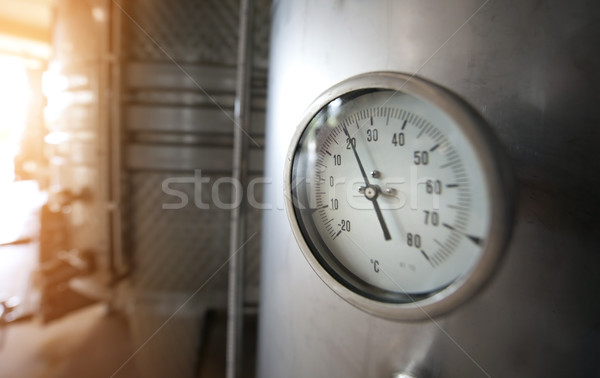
531	68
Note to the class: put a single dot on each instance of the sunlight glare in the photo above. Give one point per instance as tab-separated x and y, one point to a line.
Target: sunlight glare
14	97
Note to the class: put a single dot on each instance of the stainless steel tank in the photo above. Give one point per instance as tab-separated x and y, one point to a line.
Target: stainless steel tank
531	68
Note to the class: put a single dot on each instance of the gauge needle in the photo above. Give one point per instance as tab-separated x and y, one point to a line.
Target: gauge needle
371	192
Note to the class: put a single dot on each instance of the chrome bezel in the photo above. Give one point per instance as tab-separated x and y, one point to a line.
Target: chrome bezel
497	174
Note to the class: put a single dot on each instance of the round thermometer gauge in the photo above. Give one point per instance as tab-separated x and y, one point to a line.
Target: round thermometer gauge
398	195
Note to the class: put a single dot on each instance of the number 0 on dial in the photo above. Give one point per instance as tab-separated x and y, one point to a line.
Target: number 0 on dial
398	194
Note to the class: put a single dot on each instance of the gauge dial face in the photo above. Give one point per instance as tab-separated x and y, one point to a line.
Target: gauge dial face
392	196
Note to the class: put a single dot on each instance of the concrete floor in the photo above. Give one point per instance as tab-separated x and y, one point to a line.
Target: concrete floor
87	343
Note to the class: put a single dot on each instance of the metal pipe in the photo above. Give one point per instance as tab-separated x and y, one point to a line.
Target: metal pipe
238	215
119	264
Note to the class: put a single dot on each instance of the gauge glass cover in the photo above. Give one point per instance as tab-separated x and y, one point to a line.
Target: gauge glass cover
398	194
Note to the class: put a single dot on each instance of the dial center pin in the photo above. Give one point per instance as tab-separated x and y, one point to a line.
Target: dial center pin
371	192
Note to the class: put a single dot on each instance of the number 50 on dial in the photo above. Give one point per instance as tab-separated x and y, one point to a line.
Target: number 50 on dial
399	195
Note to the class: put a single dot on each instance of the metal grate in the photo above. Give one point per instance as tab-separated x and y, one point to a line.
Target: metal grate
261	33
181	249
188	30
177	249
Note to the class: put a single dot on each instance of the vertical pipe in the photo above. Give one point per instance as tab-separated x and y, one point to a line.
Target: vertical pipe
104	123
238	215
118	262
